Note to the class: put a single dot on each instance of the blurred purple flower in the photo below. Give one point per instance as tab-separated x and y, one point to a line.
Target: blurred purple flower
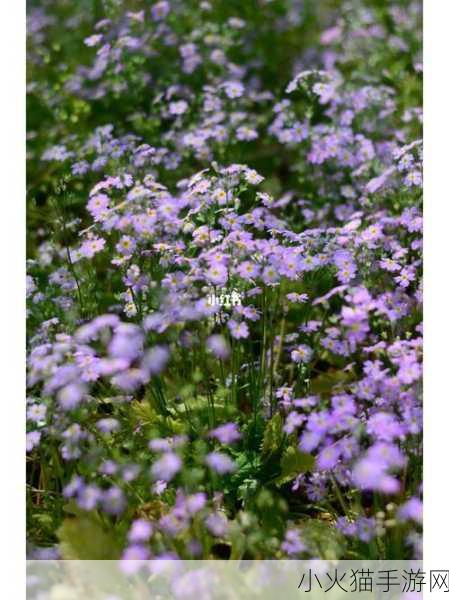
226	434
166	467
220	463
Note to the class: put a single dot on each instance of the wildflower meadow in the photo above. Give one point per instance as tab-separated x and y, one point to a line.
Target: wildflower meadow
224	264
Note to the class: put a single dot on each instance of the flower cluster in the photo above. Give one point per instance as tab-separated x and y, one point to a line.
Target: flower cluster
180	149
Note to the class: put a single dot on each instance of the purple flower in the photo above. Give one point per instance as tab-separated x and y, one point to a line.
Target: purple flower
130	472
325	91
140	531
412	510
371	474
108	425
32	440
233	89
248	270
130	379
91	246
253	177
366	529
160	10
217	274
346	527
414	178
166	467
36	412
245	133
173	523
220	463
132	559
409	370
178	108
159	487
218	345
80	168
299	298
155	360
217	524
389	265
309	441
113	501
293	421
93	40
302	354
384	426
108	467
356	322
226	434
89	497
405	277
195	503
72	488
71	395
328	458
160	445
127	342
238	329
293	544
126	245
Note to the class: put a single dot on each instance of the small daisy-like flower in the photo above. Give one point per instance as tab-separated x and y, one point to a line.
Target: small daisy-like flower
126	245
178	108
221	463
217	274
302	354
233	89
160	10
220	196
297	298
166	467
36	412
238	329
248	270
92	246
253	177
93	40
414	178
389	265
246	134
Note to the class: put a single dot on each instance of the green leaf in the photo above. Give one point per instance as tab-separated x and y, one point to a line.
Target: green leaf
294	462
323	539
238	542
83	538
144	413
247	489
325	383
273	435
